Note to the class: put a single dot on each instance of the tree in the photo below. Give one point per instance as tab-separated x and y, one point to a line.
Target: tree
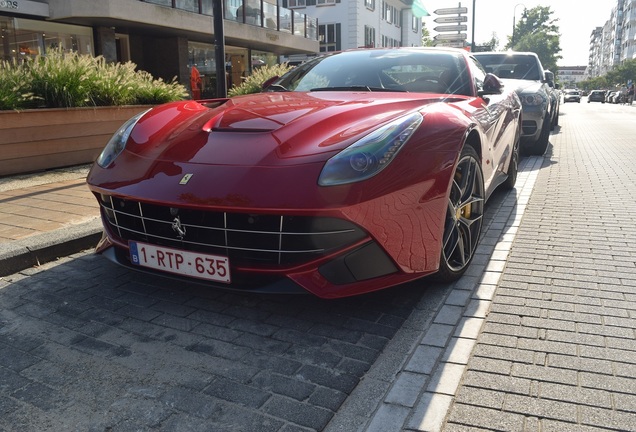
538	32
623	73
617	77
490	45
427	40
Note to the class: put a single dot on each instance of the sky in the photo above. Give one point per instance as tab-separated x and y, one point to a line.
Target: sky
576	21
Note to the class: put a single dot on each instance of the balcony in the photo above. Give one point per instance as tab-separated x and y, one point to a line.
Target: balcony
266	14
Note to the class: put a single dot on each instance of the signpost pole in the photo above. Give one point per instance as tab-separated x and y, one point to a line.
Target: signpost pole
455	16
472	37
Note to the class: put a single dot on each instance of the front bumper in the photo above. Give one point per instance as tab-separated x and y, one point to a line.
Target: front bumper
533	117
331	252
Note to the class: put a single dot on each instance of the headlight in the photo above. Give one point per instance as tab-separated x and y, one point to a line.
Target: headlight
371	154
117	143
532	99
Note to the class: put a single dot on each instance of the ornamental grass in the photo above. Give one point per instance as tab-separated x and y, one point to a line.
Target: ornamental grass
254	82
65	80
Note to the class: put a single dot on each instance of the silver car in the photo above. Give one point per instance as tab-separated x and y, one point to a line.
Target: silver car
572	96
524	72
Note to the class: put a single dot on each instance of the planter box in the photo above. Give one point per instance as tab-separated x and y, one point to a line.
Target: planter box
41	139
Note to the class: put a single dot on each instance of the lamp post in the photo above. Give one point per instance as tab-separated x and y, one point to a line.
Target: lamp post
218	8
514	24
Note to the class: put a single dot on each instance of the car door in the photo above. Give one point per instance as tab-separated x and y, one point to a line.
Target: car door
497	126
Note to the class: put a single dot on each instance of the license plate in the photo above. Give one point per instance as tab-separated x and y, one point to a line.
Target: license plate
193	264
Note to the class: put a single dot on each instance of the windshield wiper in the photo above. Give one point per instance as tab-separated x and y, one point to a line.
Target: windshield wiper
276	88
356	88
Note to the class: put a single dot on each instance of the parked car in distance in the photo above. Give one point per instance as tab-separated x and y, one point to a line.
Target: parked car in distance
616	97
524	72
572	96
353	172
596	96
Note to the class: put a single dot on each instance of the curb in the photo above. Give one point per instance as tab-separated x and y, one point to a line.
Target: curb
39	249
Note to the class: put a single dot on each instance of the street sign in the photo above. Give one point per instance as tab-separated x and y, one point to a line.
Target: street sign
451	11
451	19
450	44
447	28
451	36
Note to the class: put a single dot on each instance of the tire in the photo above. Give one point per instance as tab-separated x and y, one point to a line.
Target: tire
464	217
539	147
513	168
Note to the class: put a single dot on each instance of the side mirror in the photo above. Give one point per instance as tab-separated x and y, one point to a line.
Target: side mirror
549	78
492	85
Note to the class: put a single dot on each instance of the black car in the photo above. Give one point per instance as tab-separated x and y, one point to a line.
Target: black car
596	96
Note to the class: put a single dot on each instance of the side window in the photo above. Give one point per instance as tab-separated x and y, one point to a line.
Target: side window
479	74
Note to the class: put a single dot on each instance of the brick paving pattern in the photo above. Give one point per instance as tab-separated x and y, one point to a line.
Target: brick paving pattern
38	209
558	351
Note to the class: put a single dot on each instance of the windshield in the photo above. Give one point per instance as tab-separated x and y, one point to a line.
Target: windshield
380	70
514	66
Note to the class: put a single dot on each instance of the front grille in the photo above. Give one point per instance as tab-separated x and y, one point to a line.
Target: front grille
254	240
529	127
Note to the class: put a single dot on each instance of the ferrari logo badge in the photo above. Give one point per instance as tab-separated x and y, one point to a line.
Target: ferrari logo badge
185	179
179	229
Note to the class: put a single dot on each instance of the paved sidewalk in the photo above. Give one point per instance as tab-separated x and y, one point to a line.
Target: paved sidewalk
44	216
558	349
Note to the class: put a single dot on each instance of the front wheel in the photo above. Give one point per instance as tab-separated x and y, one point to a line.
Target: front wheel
464	217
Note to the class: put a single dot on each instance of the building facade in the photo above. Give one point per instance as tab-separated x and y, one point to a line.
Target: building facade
571	76
348	24
614	42
167	38
176	38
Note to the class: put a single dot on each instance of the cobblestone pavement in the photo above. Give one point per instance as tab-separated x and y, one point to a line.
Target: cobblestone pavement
88	346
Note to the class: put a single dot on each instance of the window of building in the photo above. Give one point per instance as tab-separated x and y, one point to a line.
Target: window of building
297	3
390	14
415	23
329	36
370	4
369	36
388	42
387	12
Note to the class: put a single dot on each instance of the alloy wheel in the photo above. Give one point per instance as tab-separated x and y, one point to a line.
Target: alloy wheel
464	216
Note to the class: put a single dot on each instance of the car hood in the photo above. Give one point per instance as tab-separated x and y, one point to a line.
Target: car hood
266	129
524	86
240	153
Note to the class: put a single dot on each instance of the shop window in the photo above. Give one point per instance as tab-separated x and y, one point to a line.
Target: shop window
23	38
